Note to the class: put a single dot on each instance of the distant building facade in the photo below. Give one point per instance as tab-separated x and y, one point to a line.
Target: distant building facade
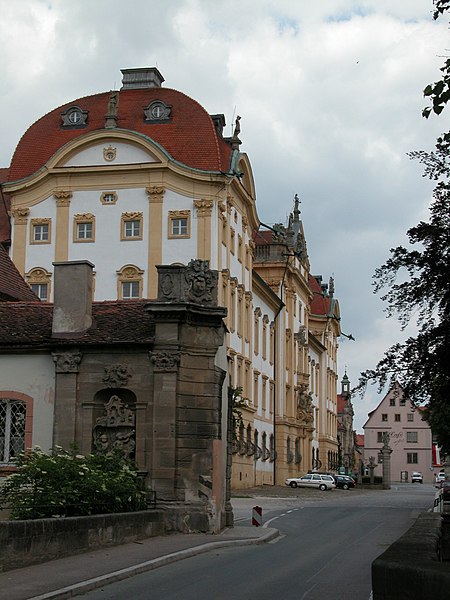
346	434
409	437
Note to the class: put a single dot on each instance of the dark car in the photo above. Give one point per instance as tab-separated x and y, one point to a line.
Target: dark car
445	487
344	482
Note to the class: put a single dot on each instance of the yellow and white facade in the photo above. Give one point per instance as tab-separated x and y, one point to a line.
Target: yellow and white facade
129	185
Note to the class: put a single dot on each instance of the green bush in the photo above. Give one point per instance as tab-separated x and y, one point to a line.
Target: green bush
64	484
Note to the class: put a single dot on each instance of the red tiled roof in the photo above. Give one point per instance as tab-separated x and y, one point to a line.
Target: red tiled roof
341	403
12	287
360	440
30	324
263	237
3	175
190	137
320	304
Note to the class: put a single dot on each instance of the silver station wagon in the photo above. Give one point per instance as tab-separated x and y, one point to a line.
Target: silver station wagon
312	480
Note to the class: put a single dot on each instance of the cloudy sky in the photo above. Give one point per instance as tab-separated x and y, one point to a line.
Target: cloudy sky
330	95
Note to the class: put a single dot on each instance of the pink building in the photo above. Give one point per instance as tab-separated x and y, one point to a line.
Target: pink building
409	437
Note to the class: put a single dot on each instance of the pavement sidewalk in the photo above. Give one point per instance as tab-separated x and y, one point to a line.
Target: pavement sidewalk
67	577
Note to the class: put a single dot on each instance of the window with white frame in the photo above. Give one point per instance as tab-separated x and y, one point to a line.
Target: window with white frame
179	225
40	231
410	417
131	226
84	227
130	290
411	437
84	231
41	291
12	429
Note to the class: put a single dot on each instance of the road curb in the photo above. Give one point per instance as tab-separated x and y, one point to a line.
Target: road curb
97	582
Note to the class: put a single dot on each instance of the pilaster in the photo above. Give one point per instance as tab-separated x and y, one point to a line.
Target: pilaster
156	200
62	198
20	216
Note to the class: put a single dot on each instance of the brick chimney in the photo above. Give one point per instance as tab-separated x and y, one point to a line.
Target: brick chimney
72	307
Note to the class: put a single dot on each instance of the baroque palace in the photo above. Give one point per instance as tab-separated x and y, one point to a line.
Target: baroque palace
134	179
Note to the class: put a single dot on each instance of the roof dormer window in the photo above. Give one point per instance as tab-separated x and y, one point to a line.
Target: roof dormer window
74	118
157	111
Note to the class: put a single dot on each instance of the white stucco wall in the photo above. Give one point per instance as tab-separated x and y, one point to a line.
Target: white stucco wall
33	375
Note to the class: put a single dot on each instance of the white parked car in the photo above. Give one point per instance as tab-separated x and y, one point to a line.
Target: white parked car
312	480
416	477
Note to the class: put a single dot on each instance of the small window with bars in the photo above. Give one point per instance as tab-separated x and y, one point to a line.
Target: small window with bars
12	430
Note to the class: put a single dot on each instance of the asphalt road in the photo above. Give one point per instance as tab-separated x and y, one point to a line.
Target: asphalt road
327	544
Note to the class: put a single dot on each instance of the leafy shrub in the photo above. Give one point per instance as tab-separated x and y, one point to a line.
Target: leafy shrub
64	484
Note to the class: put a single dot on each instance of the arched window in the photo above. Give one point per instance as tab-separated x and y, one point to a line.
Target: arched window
130	283
39	281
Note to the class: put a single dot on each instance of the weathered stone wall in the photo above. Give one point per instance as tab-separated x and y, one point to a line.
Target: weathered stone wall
410	569
161	399
24	543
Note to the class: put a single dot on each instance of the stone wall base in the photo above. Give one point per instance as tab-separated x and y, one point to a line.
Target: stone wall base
411	569
24	543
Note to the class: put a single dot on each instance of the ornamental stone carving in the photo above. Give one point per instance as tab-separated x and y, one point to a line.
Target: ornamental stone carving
156	194
305	408
62	198
195	283
116	375
165	362
225	277
84	217
115	430
204	207
167	287
302	337
109	153
67	362
201	283
132	215
20	215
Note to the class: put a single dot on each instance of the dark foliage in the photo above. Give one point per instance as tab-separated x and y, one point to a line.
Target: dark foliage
418	289
439	91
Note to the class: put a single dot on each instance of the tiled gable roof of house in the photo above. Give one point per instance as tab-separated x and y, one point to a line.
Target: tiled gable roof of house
30	324
189	136
12	287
